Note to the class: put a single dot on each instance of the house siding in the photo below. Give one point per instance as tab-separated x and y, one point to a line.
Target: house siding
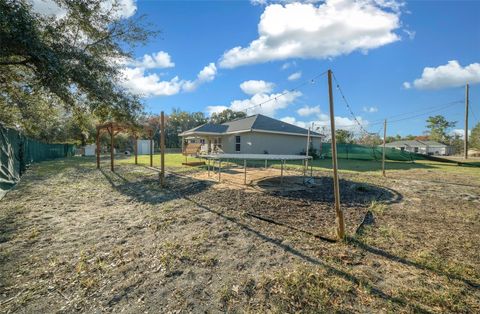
259	143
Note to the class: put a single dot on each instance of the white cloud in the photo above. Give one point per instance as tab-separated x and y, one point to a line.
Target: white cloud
48	8
287	65
207	74
140	83
308	111
215	109
137	81
270	108
321	31
460	133
160	60
253	87
276	101
370	109
124	9
451	74
295	76
410	34
322	122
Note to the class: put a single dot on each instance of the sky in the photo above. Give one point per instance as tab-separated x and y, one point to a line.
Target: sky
400	61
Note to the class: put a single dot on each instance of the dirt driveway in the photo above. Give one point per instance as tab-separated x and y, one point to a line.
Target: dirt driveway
74	238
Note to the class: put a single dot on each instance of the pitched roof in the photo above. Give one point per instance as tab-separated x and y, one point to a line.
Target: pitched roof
415	143
256	122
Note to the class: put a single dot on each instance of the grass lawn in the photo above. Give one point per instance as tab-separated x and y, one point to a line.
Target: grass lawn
174	161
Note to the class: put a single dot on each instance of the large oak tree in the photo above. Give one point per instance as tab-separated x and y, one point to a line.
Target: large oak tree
65	67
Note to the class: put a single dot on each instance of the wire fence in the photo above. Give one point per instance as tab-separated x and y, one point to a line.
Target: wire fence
17	152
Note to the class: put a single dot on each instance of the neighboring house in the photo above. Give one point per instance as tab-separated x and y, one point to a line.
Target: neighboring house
422	147
257	134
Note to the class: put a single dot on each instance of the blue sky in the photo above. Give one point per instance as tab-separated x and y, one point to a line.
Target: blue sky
382	48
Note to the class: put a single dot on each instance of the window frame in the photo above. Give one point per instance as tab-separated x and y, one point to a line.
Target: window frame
238	141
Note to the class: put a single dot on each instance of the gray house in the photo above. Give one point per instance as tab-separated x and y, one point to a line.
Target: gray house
257	134
422	147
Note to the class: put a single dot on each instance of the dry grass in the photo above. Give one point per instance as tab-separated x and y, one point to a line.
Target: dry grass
73	238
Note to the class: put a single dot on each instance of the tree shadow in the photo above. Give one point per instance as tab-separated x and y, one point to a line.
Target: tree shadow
379	252
149	190
357	165
320	189
312	260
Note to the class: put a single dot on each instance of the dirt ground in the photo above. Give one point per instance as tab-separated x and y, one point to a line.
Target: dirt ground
74	238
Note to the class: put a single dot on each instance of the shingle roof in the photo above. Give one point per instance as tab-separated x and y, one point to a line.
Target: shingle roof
256	122
414	143
209	128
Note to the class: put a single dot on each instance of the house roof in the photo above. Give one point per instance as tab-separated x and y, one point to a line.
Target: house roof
415	143
258	122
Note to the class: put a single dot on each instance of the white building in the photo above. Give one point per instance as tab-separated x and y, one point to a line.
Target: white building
89	150
143	147
422	147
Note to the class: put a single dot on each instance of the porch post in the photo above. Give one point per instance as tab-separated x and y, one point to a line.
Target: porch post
135	138
151	147
98	148
111	149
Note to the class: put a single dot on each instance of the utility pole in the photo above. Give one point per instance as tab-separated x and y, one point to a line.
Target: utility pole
384	141
466	123
162	148
336	186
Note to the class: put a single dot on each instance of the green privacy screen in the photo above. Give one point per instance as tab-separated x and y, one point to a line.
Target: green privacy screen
360	152
18	151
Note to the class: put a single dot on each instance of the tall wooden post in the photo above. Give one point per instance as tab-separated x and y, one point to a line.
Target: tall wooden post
336	185
135	147
466	123
98	148
151	147
112	149
384	142
162	148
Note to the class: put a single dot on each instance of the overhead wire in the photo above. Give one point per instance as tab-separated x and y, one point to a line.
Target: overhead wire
296	88
360	125
438	108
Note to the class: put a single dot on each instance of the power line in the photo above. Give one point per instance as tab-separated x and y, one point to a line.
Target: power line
348	105
438	108
415	116
473	114
312	80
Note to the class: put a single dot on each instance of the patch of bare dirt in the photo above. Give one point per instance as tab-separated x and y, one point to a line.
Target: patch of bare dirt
74	238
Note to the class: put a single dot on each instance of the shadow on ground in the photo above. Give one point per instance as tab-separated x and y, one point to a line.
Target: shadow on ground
374	291
148	190
320	189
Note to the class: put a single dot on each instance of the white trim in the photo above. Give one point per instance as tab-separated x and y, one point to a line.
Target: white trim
285	133
256	157
245	131
212	133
